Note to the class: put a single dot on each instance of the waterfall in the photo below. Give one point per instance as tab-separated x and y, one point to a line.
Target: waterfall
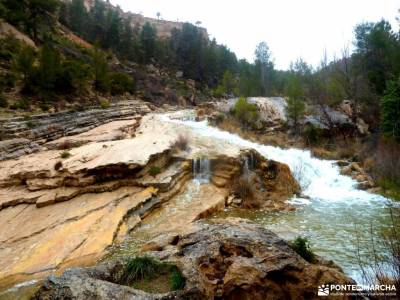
319	178
246	166
201	169
249	164
335	206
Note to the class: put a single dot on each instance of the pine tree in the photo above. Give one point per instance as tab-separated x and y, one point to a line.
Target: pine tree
148	42
49	68
390	111
265	67
100	68
40	16
295	103
229	83
23	63
77	16
113	31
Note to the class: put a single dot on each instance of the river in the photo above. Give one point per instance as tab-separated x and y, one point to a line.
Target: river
339	220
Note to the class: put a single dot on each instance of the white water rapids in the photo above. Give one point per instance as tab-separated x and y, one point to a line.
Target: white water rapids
338	219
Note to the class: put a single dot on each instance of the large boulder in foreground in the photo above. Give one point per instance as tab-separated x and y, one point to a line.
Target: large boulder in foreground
227	259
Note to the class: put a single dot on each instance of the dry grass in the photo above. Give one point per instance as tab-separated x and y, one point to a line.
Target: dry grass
181	143
65	145
385	167
200	112
242	189
373	269
279	139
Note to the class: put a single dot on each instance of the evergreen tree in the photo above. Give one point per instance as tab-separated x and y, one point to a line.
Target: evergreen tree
377	49
23	63
40	16
229	83
126	47
77	16
148	42
264	66
100	69
390	111
49	68
247	113
121	83
113	30
75	76
295	103
98	22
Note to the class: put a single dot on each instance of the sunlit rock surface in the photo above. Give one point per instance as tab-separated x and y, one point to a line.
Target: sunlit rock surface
229	259
60	212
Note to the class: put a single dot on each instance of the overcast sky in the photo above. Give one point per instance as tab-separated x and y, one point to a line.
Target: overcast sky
292	28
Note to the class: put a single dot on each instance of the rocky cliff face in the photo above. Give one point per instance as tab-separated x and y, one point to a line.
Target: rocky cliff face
58	211
20	136
228	259
163	27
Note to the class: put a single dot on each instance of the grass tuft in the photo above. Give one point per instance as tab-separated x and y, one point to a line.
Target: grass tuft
65	154
301	246
154	171
142	271
181	143
176	279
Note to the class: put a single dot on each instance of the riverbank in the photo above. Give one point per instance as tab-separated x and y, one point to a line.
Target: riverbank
327	212
373	171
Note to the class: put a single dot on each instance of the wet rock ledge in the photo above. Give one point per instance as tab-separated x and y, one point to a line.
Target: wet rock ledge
24	135
57	212
226	259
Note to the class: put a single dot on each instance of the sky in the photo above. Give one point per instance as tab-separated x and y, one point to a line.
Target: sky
291	28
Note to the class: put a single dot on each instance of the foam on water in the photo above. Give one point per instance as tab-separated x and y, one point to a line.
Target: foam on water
337	211
319	178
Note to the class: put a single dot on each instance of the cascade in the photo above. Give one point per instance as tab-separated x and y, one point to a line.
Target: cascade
201	169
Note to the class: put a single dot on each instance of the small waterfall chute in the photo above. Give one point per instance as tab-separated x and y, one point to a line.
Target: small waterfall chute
201	169
248	163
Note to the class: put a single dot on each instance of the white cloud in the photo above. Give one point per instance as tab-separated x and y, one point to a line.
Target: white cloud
292	28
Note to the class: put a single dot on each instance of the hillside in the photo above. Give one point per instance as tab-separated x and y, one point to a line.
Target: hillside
126	69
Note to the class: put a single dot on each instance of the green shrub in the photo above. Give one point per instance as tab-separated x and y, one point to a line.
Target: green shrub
154	170
9	45
390	111
176	279
147	268
20	104
247	113
391	188
30	124
302	248
312	134
386	167
44	106
3	101
75	76
65	154
139	268
8	80
121	83
220	118
104	104
219	92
